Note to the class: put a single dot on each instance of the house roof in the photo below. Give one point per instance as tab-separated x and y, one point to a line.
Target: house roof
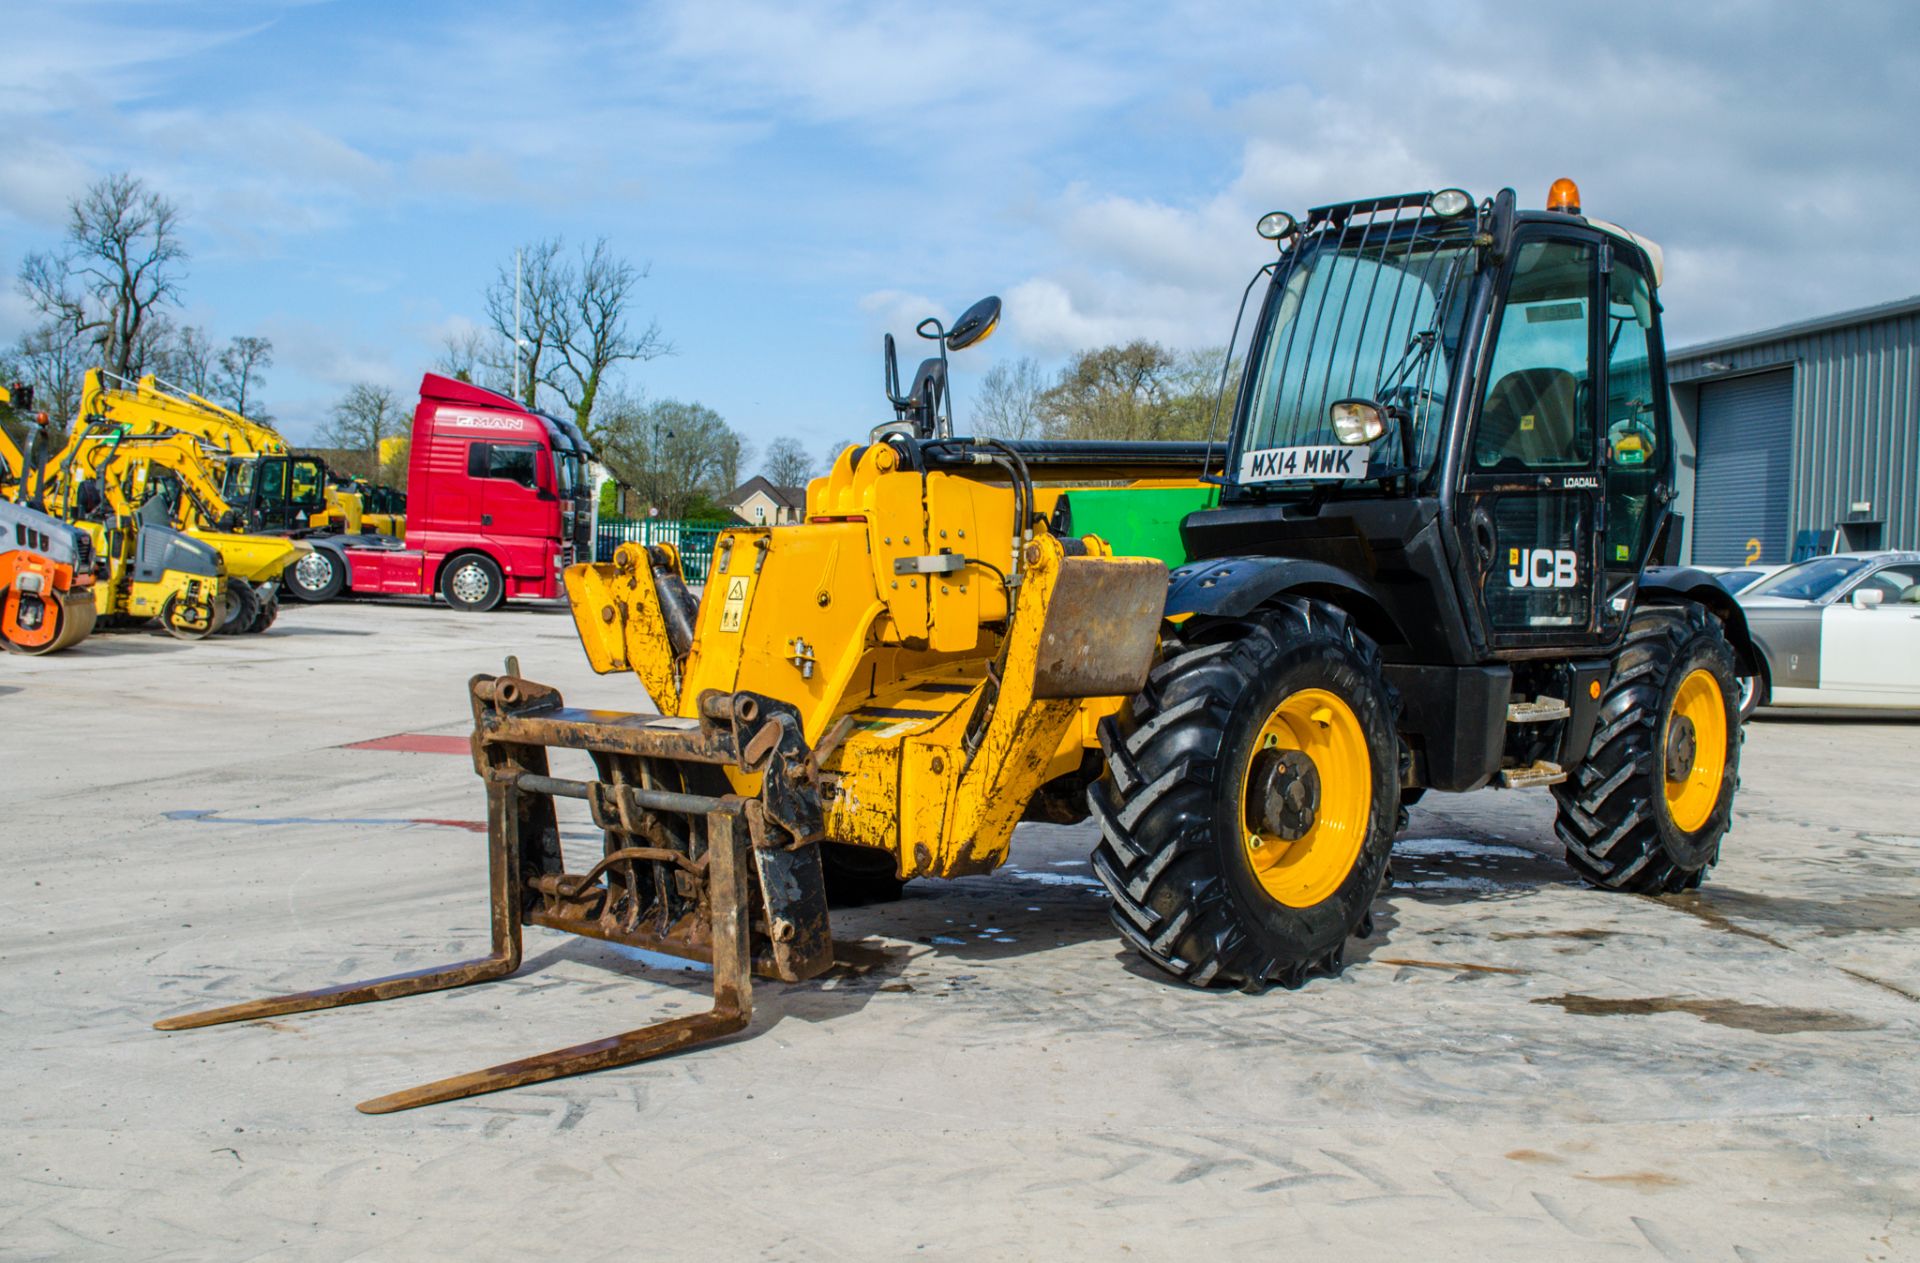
787	497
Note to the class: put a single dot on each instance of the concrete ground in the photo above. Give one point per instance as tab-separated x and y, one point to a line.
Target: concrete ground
1513	1065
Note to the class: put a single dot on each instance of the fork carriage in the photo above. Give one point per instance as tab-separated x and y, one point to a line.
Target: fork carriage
674	876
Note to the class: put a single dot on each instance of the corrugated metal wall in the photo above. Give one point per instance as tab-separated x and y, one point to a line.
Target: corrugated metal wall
1856	417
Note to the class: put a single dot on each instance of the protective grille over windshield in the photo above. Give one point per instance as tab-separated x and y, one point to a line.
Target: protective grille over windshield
1367	306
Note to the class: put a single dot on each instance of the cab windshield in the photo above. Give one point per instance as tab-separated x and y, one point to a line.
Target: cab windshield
1354	318
1810	580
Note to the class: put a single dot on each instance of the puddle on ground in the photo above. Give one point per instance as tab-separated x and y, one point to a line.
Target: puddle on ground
1863	913
1585	936
1769	1019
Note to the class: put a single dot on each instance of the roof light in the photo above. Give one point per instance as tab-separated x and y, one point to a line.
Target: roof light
1450	203
1275	225
1564	197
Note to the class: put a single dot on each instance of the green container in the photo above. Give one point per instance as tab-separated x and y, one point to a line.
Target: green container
1138	521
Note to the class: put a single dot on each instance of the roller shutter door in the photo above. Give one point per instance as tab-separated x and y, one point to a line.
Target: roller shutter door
1745	471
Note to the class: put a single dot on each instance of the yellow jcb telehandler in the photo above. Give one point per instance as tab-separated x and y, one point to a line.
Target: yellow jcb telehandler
1421	558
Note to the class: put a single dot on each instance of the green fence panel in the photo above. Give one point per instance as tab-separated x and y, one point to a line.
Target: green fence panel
695	540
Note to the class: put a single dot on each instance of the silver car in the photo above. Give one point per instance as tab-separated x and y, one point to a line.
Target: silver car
1842	631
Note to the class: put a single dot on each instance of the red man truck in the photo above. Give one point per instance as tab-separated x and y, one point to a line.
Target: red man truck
498	504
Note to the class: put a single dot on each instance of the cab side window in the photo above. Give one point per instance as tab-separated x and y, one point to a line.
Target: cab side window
511	461
1537	410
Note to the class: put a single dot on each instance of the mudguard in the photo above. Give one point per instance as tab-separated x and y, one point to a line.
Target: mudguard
1231	587
1664	584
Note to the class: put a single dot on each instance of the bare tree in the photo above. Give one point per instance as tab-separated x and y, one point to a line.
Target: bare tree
115	271
1008	401
241	367
54	359
543	308
188	360
365	416
574	326
786	463
597	336
474	355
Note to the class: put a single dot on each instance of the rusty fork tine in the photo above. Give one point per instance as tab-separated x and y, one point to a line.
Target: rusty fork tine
503	887
392	987
731	1012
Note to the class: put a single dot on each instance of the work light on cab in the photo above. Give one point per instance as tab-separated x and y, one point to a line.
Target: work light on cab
1450	203
1276	225
1564	197
1357	421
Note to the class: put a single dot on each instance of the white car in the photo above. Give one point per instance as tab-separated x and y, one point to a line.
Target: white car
1737	579
1842	631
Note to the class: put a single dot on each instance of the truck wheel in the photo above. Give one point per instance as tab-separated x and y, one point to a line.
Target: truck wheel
1647	809
321	575
472	582
1250	799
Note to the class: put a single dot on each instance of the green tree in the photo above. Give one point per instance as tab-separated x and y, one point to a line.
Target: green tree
1137	392
669	453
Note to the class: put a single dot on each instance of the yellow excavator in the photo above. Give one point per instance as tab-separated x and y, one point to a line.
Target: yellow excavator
271	487
103	475
122	561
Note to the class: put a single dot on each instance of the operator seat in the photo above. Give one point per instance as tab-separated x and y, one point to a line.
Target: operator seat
1531	415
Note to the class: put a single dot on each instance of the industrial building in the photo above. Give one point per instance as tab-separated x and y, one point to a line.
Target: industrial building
1801	439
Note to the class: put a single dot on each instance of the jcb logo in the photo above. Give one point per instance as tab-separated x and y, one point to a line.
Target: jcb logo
1543	568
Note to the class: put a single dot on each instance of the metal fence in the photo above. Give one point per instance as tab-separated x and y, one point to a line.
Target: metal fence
695	540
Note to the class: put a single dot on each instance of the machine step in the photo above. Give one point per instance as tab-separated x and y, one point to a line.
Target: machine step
1541	772
1538	711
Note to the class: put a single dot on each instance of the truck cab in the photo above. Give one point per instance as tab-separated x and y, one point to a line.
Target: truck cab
497	502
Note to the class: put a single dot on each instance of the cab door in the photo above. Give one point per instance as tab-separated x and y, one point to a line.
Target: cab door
508	475
1530	490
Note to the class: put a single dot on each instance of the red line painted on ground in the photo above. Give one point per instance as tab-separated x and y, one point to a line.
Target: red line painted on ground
414	743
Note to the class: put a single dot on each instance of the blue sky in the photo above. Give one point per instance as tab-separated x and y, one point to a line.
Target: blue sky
804	177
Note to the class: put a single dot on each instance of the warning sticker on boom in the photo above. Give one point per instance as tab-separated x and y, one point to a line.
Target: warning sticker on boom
1275	464
735	609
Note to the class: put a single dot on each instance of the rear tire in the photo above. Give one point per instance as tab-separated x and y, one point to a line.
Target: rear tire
1199	888
242	608
471	582
321	575
1625	823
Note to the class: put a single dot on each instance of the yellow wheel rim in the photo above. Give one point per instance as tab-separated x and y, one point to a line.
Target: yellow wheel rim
1692	794
1305	870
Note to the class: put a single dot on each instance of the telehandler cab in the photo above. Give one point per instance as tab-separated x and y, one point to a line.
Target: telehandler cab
1419	559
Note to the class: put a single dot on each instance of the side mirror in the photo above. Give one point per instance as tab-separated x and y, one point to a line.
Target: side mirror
1357	421
976	324
1867	598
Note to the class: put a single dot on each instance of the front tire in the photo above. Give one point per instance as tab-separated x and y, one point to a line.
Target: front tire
1646	812
1250	798
472	582
321	575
